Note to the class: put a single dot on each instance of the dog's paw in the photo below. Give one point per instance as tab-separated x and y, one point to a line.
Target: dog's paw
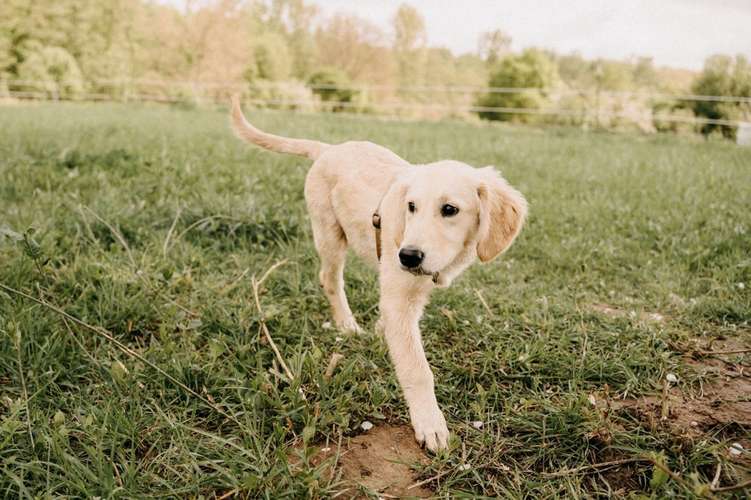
349	325
431	430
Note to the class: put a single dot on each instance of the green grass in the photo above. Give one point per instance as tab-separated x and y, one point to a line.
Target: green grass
643	223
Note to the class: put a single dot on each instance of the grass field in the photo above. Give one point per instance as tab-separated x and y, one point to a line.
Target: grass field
150	222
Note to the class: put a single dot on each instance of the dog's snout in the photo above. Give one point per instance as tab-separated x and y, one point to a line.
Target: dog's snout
411	257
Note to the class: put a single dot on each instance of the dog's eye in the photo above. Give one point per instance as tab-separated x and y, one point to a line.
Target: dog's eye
449	210
411	206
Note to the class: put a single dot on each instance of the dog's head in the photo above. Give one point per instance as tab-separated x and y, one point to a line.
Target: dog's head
445	214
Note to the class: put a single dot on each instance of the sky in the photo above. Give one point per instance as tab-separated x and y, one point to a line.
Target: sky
677	33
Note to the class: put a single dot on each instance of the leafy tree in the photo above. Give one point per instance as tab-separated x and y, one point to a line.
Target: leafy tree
409	44
356	47
53	70
409	28
575	71
494	46
294	19
723	76
532	70
271	59
644	73
612	75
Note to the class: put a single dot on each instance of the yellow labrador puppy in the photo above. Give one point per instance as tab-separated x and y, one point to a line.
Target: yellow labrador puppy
434	219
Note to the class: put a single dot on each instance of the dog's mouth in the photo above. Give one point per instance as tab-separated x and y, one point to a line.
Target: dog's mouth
419	271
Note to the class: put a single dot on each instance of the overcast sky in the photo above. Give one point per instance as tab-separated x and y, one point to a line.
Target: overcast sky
679	33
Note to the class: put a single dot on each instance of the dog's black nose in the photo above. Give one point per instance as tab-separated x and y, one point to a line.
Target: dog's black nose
410	257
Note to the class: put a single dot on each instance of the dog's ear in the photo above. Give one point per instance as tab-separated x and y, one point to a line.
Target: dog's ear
393	210
502	213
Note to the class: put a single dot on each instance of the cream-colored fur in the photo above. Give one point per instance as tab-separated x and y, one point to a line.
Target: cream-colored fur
345	185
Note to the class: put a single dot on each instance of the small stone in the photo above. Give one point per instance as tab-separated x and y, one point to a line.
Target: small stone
672	378
656	317
325	449
741	286
736	450
465	467
338	339
366	426
477	424
694	423
592	400
326	325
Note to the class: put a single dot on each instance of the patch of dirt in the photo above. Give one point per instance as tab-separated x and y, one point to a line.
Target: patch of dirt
622	480
719	407
614	312
379	460
721	402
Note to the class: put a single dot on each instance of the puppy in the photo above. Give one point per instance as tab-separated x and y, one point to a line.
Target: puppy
431	222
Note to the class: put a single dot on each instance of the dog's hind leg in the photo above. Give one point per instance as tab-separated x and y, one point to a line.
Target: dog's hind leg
331	245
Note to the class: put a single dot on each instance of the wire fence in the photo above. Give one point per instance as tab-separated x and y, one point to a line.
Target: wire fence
572	106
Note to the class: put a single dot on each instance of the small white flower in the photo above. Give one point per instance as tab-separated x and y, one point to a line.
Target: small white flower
326	325
477	424
465	467
672	378
366	426
736	449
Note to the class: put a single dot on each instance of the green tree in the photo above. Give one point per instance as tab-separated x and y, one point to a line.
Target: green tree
331	85
494	46
409	45
723	76
294	19
52	70
533	71
644	73
271	59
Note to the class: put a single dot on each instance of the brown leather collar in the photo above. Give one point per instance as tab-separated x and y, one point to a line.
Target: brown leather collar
377	227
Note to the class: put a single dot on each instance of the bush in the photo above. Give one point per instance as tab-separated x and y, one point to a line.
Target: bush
290	94
723	76
330	85
531	69
52	70
684	116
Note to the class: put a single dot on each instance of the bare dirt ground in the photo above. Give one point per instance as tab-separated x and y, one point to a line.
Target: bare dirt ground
716	404
718	401
378	461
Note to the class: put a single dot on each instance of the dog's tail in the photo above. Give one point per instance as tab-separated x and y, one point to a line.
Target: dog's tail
248	133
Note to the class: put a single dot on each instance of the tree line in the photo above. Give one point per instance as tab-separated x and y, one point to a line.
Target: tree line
287	54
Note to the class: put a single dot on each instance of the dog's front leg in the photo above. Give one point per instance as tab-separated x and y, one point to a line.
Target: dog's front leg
401	308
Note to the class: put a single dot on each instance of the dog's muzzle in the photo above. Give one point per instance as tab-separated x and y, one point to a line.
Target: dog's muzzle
417	271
